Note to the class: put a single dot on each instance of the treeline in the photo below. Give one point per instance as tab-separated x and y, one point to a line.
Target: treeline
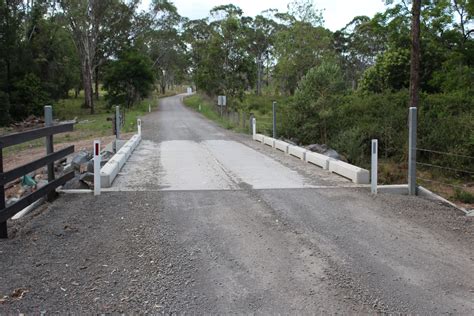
346	87
340	88
50	50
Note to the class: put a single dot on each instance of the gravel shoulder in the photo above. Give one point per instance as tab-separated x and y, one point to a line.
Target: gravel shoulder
337	250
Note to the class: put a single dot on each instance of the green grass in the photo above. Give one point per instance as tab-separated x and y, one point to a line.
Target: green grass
463	196
260	106
206	108
90	125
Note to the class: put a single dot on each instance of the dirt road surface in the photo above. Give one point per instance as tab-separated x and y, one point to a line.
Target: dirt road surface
204	220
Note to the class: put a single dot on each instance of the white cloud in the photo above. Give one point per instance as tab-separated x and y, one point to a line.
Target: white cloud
337	13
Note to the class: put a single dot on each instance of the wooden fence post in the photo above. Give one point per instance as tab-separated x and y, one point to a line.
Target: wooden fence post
3	225
48	121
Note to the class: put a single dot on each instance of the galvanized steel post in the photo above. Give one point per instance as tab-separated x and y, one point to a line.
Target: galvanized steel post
412	151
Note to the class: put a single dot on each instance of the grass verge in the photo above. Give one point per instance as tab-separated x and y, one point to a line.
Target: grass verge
259	106
90	126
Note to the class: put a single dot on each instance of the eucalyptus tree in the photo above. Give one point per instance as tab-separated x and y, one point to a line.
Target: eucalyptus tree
261	41
94	23
166	46
301	43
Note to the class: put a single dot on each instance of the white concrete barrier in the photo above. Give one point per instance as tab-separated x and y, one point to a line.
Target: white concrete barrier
318	160
258	137
281	145
110	170
269	141
354	173
297	151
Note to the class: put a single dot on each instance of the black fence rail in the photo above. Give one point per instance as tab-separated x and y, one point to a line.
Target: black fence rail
8	176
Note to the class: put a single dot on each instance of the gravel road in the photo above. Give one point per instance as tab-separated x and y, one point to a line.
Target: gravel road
204	220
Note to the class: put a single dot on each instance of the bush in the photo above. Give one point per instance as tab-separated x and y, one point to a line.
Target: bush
5	108
445	123
464	197
128	79
314	101
29	97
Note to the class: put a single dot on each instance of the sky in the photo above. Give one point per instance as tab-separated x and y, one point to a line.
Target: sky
337	13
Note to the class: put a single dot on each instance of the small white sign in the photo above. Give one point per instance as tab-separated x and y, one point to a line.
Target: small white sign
221	100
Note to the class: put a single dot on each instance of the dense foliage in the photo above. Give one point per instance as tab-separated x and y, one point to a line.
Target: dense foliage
346	87
341	88
129	78
51	48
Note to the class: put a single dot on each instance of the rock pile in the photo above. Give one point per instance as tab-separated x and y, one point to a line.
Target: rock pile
323	149
82	163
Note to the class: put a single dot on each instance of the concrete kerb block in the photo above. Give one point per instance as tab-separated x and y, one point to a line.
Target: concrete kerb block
354	173
318	159
259	137
108	173
269	141
110	170
297	151
281	145
424	192
397	189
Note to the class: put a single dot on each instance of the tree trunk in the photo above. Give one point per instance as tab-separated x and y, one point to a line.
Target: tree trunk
163	85
87	79
97	83
259	76
415	54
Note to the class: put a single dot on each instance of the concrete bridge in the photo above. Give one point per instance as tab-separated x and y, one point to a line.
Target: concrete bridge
205	220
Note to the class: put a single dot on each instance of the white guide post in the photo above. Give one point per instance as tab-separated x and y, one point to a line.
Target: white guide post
254	126
149	108
139	126
373	177
97	159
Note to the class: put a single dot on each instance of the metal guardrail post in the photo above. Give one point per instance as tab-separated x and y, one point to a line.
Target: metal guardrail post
412	151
